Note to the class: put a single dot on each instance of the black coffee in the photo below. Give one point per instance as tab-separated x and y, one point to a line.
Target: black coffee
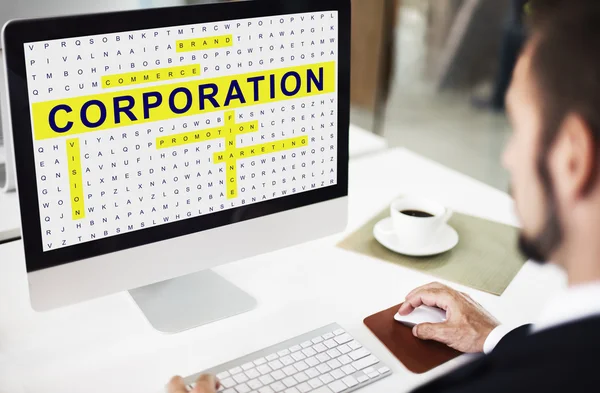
416	213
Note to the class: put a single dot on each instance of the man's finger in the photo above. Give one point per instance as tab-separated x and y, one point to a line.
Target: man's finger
176	385
432	331
431	285
206	383
439	298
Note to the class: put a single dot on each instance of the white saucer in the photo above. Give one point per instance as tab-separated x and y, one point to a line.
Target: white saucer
446	240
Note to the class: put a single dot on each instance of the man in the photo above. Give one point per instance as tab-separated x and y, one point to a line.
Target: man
554	161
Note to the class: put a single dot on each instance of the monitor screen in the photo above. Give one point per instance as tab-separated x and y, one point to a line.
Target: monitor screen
144	134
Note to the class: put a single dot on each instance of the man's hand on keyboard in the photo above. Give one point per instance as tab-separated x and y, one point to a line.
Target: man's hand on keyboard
467	324
204	384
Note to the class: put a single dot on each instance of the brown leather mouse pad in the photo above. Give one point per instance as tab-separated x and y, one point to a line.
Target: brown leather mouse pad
417	355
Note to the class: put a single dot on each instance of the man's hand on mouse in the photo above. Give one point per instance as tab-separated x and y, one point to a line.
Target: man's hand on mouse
204	384
467	324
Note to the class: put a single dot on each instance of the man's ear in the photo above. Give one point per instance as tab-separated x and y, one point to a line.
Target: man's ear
573	159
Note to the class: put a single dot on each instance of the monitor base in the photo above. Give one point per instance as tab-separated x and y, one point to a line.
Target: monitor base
183	303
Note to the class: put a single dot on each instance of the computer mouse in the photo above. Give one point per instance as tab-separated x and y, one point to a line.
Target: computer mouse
422	314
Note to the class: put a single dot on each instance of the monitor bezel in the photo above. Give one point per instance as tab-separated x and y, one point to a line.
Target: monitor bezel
17	33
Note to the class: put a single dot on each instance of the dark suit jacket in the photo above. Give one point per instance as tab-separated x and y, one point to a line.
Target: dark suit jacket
563	359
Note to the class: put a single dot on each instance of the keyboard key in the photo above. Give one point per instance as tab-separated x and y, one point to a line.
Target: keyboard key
289	382
235	370
338	332
304	387
312	372
330	344
278	387
327	336
292	390
315	383
306	344
223	375
350	381
333	353
354	344
284	352
374	374
343	338
337	386
308	352
287	360
272	357
317	340
252	374
277	375
323	357
247	366
298	356
266	379
228	382
230	390
289	370
301	365
365	362
345	359
240	378
368	370
383	370
301	377
334	363
323	368
260	361
362	378
295	348
348	369
265	389
255	384
359	354
312	361
344	349
320	348
243	388
338	374
276	364
264	369
326	378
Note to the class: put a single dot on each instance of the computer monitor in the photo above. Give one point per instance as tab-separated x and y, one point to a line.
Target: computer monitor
153	145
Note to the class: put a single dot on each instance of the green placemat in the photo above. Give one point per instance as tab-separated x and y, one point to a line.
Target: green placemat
486	257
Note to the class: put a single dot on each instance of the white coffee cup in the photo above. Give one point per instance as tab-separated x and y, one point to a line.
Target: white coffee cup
417	231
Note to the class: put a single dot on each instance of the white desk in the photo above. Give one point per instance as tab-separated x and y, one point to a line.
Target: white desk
362	143
10	219
106	345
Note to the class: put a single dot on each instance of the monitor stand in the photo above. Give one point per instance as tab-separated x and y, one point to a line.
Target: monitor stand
183	303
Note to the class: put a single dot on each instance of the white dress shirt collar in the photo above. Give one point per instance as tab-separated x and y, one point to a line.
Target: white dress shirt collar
569	305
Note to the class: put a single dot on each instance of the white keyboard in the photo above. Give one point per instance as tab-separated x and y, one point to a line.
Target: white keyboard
326	360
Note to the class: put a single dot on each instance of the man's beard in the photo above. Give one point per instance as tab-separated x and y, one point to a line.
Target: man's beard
540	248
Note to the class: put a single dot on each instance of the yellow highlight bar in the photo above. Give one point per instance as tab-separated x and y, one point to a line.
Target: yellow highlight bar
75	179
186	138
204	43
231	179
258	150
78	115
149	76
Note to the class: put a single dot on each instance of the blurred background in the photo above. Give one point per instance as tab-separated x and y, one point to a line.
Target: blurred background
428	75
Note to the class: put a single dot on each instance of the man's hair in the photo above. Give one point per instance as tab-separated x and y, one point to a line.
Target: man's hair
565	63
